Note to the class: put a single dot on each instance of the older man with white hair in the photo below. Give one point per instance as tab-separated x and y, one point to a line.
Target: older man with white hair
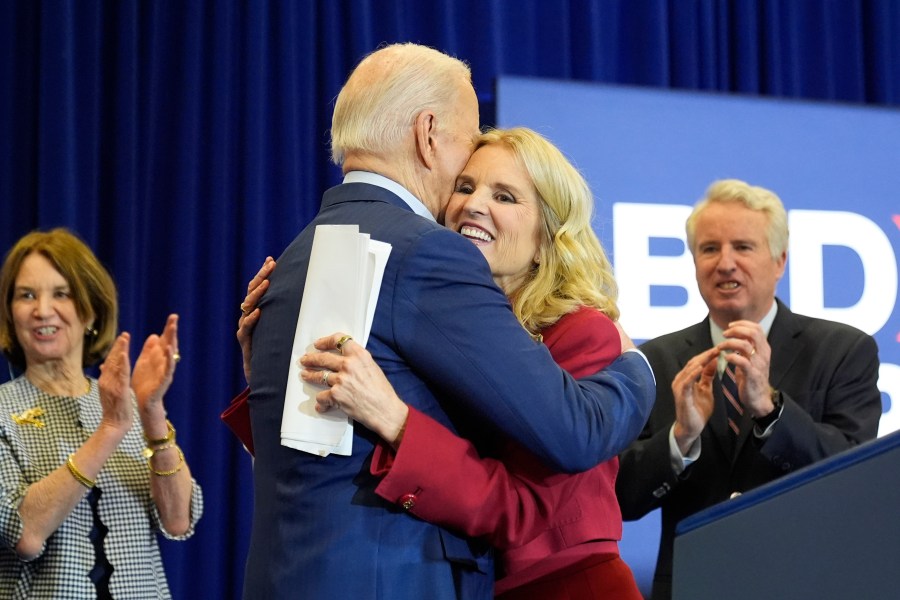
404	126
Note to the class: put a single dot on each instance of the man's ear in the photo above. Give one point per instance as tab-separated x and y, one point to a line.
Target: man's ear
425	129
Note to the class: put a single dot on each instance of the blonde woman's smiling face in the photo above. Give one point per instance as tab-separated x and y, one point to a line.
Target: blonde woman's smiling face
496	206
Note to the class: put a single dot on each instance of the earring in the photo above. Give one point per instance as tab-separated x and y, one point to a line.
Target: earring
90	332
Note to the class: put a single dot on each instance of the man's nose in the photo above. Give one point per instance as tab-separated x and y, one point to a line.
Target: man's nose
726	260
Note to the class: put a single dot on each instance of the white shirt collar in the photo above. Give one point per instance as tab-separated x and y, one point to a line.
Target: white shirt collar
392	186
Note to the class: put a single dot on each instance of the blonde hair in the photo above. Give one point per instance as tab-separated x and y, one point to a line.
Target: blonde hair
573	270
378	105
91	285
753	197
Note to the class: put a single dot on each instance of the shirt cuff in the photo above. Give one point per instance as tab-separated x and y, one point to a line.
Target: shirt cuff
679	461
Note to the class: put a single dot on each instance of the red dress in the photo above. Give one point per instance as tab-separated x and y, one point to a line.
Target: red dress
557	533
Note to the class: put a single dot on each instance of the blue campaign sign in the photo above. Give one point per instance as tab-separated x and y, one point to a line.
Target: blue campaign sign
650	154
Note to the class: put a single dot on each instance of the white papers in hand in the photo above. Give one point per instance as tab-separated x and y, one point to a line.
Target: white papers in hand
340	294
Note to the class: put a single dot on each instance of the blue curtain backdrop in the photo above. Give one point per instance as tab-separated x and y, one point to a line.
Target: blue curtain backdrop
186	140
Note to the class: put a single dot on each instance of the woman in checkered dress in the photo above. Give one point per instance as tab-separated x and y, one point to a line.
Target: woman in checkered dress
79	508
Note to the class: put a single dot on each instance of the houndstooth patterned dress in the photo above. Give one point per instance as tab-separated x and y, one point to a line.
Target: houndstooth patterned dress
29	453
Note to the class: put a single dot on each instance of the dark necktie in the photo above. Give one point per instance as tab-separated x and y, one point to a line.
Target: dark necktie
732	399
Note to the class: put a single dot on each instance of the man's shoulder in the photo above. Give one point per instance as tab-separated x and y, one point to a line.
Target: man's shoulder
668	352
384	222
675	339
820	328
414	237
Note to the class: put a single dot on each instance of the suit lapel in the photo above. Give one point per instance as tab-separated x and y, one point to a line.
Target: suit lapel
783	341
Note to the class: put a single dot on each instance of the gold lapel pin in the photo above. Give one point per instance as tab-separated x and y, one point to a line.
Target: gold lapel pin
30	417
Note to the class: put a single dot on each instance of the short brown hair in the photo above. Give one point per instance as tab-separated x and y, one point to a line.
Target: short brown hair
92	287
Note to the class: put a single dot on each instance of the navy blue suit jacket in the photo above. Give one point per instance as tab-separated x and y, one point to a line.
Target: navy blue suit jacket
449	343
827	373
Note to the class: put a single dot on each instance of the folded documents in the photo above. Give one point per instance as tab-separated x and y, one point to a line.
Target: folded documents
340	294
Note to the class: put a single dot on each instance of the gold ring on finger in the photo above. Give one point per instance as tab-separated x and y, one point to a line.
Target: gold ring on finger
342	341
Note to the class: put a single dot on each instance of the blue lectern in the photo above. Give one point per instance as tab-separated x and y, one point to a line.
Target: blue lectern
828	531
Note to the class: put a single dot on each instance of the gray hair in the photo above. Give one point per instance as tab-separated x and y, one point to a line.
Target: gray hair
753	197
387	90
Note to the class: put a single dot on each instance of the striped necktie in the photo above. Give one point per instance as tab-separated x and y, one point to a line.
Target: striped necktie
732	399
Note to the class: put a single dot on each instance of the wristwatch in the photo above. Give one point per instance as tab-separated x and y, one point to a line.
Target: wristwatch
764	422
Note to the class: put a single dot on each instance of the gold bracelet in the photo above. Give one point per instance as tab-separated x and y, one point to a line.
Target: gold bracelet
149	452
78	475
170	436
172	471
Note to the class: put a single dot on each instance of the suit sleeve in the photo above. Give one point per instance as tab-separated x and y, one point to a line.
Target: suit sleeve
840	409
457	329
440	477
645	474
645	469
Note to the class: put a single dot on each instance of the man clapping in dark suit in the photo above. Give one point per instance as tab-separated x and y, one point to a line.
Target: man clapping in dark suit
804	388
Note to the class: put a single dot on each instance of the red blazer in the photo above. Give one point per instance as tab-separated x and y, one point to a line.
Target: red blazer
539	519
